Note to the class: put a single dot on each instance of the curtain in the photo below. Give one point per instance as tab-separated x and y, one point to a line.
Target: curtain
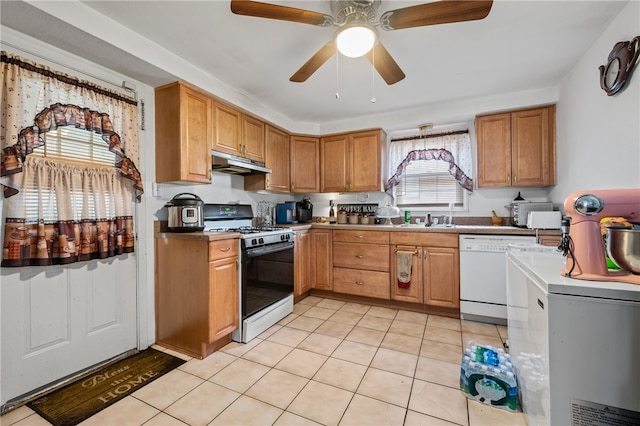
454	148
66	213
36	99
58	213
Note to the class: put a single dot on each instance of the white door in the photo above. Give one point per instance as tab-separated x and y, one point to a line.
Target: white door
59	320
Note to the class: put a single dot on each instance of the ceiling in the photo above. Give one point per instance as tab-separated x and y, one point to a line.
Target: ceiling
520	46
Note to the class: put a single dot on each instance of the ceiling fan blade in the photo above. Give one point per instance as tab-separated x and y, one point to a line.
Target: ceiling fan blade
437	12
283	13
315	62
386	66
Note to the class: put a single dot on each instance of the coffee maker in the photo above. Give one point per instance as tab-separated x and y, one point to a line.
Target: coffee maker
586	258
304	210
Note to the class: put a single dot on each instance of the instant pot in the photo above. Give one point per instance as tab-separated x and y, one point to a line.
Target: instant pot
186	213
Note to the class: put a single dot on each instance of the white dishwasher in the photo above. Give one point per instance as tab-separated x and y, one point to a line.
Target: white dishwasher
483	276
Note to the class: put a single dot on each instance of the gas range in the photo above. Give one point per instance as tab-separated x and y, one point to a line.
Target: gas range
238	218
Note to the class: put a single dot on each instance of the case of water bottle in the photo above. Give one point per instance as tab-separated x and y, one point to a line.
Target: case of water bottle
487	376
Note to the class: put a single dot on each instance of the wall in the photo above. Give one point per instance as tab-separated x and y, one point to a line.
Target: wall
599	135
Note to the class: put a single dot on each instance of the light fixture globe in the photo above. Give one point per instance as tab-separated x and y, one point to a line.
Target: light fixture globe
355	40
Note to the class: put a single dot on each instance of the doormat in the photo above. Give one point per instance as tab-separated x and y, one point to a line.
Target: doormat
82	399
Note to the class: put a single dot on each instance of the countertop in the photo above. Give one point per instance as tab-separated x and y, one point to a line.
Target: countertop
455	229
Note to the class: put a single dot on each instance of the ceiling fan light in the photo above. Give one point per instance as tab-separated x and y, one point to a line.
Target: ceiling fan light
355	41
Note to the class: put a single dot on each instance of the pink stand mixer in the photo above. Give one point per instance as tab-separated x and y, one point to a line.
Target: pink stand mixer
586	259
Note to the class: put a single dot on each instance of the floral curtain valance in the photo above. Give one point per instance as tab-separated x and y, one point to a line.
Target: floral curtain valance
36	99
453	147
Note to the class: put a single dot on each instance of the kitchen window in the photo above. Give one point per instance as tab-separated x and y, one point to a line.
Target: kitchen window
431	171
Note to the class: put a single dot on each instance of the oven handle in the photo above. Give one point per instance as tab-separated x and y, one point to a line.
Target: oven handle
271	248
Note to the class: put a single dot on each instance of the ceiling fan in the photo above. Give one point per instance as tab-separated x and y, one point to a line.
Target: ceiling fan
357	18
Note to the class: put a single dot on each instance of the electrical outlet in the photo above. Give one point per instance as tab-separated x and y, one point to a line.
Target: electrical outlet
155	189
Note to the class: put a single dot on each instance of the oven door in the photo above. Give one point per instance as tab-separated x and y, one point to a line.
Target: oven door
267	276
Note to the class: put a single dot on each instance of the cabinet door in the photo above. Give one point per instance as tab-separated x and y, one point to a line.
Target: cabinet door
183	134
223	297
441	277
277	156
227	129
302	262
334	167
415	291
493	133
365	161
252	145
321	259
531	157
305	164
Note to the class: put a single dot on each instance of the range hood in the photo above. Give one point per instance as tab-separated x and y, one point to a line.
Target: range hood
231	164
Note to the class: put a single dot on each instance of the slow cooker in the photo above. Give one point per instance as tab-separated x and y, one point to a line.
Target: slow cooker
186	213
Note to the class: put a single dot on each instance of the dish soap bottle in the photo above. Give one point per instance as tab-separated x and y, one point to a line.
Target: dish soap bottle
332	214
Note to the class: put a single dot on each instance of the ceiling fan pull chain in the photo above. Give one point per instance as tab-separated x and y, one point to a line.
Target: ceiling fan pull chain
373	76
337	77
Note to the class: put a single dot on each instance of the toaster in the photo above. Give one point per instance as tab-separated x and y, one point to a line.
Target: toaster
520	211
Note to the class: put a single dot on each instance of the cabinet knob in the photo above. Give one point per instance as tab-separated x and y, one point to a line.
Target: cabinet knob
508	179
359	237
359	256
359	283
515	179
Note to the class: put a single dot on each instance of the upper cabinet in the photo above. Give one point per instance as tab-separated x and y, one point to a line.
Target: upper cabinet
277	158
305	164
183	134
352	162
517	148
237	133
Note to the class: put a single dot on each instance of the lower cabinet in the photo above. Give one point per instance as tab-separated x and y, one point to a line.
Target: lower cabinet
322	259
435	276
361	263
302	262
196	294
414	293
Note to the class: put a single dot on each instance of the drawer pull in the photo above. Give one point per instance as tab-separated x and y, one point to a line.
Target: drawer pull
359	282
359	256
225	249
359	237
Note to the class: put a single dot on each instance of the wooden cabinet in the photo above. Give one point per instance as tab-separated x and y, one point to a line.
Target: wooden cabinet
415	291
305	160
197	304
237	133
516	148
322	259
436	264
183	134
352	162
277	158
361	263
302	262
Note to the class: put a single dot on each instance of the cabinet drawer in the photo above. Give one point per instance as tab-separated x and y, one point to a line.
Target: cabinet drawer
361	256
425	239
361	283
223	248
369	237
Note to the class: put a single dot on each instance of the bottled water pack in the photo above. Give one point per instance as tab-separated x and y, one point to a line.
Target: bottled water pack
487	376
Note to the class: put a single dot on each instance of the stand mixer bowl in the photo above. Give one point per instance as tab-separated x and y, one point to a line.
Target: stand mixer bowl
623	247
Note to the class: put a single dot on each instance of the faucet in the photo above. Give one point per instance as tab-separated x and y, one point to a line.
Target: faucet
427	220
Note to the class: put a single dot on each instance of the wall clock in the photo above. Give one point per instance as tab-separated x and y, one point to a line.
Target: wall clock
620	63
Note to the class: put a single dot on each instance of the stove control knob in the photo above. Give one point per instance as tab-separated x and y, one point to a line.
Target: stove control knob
261	240
254	242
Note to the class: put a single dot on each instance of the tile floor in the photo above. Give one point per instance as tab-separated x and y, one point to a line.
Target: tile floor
328	363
